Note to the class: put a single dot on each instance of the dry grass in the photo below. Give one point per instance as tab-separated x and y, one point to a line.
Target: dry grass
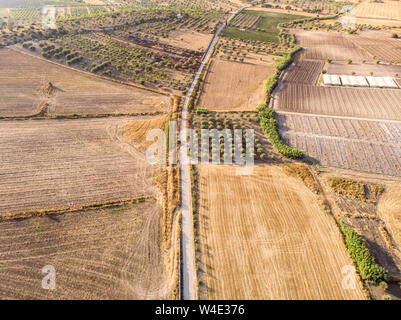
188	39
234	86
263	236
302	172
137	130
24	77
98	254
348	188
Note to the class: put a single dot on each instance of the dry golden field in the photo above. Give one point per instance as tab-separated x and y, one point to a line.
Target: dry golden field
98	254
386	9
188	39
235	86
55	164
263	236
23	79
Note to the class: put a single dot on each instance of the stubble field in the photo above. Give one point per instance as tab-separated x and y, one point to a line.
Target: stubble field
55	164
386	9
263	236
23	79
234	86
98	254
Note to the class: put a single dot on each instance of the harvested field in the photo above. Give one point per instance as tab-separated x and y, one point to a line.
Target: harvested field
282	246
360	69
385	9
234	86
55	164
304	71
370	146
326	45
98	254
352	102
23	79
379	45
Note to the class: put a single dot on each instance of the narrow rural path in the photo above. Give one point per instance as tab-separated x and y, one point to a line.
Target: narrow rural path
188	252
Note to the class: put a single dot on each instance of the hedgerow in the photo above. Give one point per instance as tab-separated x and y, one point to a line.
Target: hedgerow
270	127
359	252
266	114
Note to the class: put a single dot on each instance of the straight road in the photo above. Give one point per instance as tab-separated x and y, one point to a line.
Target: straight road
188	252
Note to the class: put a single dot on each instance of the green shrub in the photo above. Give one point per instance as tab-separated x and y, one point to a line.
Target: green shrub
202	111
359	252
269	126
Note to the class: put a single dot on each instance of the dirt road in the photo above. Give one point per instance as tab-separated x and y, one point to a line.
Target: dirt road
188	252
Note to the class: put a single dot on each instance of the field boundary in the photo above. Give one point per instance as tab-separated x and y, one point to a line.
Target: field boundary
101	205
40	116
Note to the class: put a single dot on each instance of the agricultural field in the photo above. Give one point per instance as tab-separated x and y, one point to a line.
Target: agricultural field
384	9
379	45
110	253
235	86
326	45
240	69
304	71
366	207
364	69
350	102
150	47
57	164
388	210
26	80
266	251
264	26
263	149
188	39
309	6
370	146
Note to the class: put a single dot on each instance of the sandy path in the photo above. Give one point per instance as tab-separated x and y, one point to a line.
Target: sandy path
189	274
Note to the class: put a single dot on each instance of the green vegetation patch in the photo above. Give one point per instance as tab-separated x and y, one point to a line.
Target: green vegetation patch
268	23
270	127
359	252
